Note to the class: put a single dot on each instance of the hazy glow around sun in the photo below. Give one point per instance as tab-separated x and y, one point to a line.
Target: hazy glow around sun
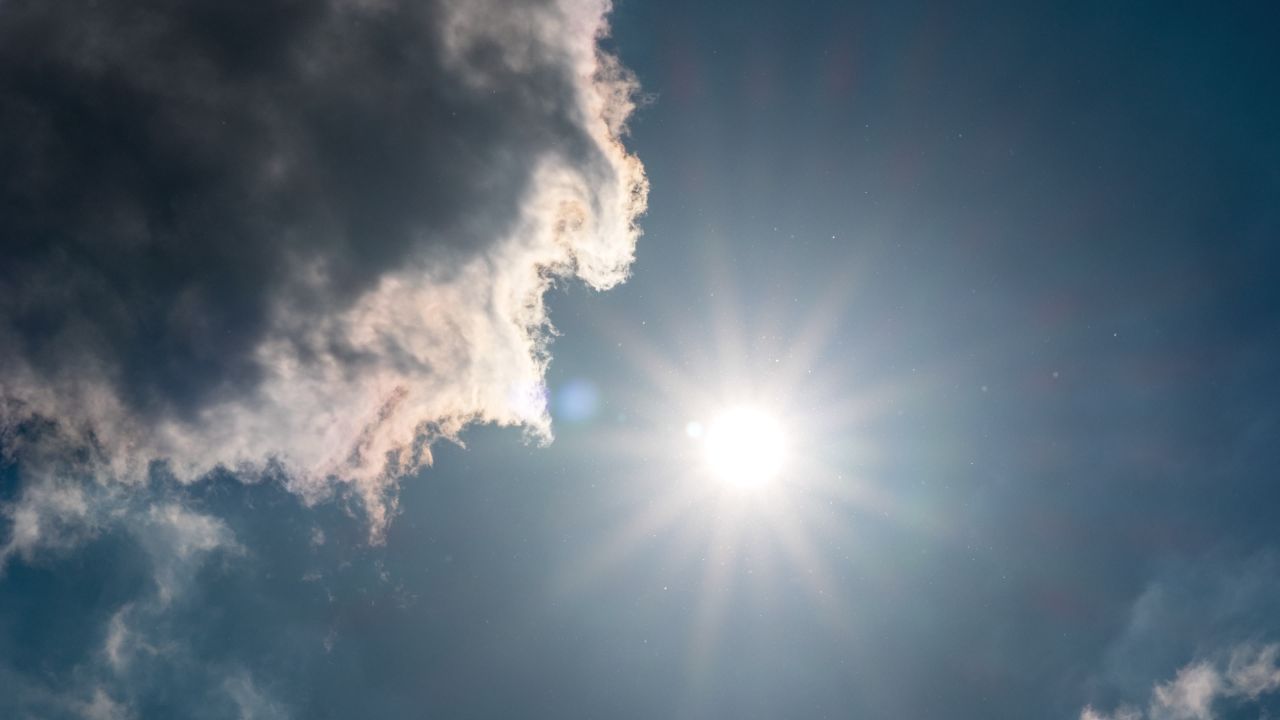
744	446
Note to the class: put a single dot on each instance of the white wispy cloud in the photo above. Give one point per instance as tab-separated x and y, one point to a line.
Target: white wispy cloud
250	701
101	706
1248	672
1253	671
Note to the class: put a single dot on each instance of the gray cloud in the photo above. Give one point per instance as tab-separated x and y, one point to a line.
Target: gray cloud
305	239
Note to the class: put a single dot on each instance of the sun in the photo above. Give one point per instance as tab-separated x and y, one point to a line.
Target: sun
744	447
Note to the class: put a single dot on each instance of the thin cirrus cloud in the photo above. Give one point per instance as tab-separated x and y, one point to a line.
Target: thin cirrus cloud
297	237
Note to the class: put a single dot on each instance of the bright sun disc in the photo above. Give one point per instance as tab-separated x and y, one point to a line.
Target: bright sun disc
745	447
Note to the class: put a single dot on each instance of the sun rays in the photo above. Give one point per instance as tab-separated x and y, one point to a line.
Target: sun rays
752	463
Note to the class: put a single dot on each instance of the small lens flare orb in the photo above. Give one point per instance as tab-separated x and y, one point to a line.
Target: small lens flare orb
745	447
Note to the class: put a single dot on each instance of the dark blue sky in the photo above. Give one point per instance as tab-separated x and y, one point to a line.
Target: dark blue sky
1008	271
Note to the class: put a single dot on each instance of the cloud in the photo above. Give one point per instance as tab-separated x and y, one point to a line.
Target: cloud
106	658
116	647
1198	644
1199	688
1253	672
294	238
1121	713
175	537
177	541
1189	696
102	707
188	601
49	515
251	703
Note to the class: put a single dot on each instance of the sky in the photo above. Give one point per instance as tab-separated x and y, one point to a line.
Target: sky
372	359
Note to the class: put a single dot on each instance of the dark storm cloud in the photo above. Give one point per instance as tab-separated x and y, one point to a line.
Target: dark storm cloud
315	233
170	167
299	240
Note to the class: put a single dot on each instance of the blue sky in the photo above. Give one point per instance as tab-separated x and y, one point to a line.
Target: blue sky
1002	272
